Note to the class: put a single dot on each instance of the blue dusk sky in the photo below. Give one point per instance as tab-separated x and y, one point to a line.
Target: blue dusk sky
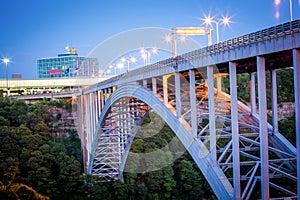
33	29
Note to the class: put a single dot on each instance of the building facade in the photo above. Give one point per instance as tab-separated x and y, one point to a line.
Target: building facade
67	65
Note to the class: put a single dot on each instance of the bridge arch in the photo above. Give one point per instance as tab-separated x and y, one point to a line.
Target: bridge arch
213	174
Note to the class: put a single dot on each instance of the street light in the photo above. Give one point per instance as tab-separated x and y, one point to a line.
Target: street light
6	61
291	10
110	68
146	54
208	20
130	60
120	65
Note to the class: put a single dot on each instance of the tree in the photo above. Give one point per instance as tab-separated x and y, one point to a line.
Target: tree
9	149
31	142
18	112
288	129
5	108
68	177
11	190
39	112
42	129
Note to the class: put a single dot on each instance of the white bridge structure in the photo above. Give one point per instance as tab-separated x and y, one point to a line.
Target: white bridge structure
36	88
237	150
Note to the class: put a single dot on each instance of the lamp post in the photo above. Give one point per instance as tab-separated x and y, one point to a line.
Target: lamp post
209	20
131	60
146	54
6	61
111	68
291	10
120	66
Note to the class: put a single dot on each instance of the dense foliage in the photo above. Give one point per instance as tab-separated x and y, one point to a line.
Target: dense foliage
51	166
34	164
288	129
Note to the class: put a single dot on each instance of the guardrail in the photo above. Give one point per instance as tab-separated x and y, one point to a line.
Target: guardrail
275	31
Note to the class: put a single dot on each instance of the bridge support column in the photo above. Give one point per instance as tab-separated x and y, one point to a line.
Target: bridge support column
96	106
263	128
193	102
211	111
274	102
102	99
219	83
235	131
90	117
253	93
94	114
91	121
145	83
87	123
165	89
154	86
177	95
83	131
104	95
296	63
99	103
109	92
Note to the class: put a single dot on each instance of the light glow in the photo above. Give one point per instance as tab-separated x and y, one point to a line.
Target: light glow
182	38
277	14
133	59
120	65
144	56
154	50
226	20
168	38
143	50
208	20
276	4
6	60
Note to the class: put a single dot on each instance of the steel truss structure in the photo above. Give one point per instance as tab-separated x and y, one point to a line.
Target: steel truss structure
115	137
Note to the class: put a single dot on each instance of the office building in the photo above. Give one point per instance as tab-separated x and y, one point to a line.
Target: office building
69	64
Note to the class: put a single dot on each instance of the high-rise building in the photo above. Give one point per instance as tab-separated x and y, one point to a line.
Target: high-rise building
69	64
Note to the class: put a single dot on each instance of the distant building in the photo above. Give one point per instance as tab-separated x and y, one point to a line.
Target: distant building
67	65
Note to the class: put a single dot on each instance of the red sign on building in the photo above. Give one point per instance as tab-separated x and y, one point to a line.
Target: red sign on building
54	71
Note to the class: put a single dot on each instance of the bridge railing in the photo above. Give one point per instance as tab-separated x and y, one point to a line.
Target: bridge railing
275	31
251	38
139	71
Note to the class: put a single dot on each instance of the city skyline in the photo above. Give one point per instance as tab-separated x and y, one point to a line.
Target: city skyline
33	29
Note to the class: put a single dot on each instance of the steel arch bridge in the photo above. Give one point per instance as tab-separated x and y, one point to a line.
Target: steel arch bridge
237	150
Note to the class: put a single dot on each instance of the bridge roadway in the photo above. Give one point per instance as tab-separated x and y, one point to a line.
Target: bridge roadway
242	156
